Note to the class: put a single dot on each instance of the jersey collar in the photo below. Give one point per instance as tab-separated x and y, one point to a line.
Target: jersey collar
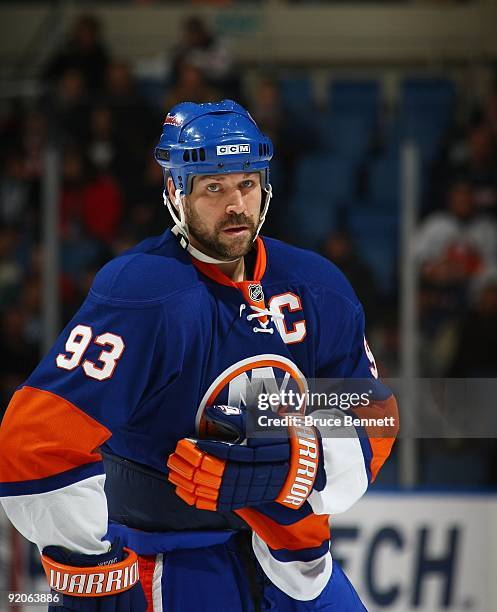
215	274
250	289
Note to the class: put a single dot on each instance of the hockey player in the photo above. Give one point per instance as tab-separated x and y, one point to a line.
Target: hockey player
125	455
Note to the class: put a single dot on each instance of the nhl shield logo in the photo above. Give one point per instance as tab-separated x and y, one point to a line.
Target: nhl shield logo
255	293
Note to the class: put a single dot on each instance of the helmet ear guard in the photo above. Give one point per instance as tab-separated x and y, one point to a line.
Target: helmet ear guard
209	139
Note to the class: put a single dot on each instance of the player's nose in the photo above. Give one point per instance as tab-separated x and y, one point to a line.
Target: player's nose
236	203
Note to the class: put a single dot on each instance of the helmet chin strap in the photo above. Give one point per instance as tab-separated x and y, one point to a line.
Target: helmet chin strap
196	253
269	195
181	227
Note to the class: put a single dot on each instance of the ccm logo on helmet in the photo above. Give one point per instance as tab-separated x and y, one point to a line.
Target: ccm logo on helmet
233	149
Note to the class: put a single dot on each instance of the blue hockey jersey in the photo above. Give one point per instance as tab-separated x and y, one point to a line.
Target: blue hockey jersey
160	337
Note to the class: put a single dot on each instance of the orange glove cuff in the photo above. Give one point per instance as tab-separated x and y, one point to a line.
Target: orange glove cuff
96	581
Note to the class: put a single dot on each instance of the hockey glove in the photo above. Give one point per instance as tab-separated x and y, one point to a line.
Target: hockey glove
222	475
94	583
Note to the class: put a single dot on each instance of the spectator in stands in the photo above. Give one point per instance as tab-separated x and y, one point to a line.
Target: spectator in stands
68	108
268	110
30	304
33	139
385	337
146	210
191	85
338	248
91	202
453	247
11	271
101	146
102	207
90	213
490	112
479	166
84	51
482	166
14	190
458	243
134	122
486	111
19	353
477	338
121	93
73	185
11	118
208	53
25	132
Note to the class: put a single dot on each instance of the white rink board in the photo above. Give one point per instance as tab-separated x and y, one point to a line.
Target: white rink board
420	552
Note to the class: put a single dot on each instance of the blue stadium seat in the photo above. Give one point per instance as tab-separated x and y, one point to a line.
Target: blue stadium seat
376	237
358	97
297	94
436	117
384	183
428	93
388	475
278	176
327	176
427	131
464	469
347	136
311	217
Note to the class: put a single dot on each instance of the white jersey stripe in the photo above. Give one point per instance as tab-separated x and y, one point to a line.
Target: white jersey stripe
302	580
157	583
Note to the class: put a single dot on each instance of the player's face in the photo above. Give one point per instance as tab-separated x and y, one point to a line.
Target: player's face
223	212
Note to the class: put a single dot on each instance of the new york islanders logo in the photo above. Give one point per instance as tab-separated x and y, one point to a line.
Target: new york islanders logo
242	383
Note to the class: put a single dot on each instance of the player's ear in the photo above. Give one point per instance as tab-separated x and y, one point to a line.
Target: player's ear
171	190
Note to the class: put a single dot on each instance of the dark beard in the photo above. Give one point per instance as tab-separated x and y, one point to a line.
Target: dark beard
211	243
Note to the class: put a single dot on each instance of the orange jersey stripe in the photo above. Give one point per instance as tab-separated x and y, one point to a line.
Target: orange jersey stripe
381	450
261	261
146	565
43	434
381	438
309	532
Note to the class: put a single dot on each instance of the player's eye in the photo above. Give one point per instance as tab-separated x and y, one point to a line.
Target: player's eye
213	187
247	183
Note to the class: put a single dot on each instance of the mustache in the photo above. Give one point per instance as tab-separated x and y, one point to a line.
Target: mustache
237	219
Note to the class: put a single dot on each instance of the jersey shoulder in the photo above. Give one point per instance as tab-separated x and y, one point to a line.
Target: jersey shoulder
150	272
307	268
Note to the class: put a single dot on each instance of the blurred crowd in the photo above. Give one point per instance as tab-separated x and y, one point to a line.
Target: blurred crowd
106	123
104	129
457	251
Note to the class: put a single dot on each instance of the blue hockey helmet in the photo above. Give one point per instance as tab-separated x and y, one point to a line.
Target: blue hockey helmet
211	138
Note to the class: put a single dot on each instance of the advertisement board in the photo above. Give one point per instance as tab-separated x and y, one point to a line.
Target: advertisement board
418	552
